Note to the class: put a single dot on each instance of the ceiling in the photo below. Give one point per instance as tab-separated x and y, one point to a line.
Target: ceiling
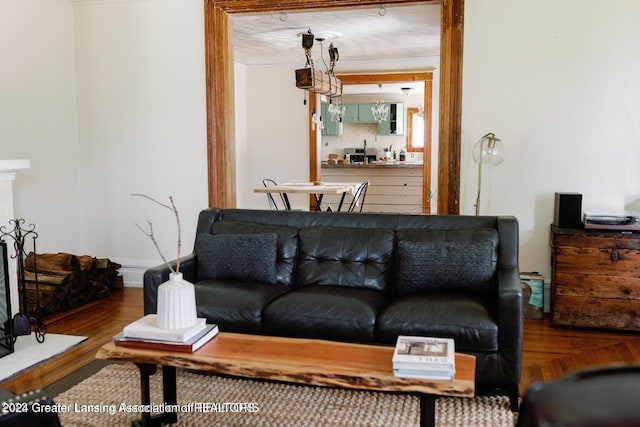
369	39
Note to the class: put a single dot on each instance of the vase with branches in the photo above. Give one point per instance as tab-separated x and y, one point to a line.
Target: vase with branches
176	297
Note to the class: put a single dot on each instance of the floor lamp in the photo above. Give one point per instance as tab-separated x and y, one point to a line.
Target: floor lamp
488	150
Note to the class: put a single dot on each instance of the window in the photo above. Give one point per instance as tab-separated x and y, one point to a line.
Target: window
415	130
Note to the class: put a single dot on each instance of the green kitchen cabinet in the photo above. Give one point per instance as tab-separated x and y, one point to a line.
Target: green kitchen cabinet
329	127
358	113
350	113
361	113
365	115
395	123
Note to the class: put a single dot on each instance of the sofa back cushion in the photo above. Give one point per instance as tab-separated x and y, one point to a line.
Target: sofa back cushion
441	261
336	256
286	243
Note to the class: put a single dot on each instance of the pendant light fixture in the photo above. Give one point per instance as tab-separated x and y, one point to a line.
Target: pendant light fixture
336	109
314	80
380	110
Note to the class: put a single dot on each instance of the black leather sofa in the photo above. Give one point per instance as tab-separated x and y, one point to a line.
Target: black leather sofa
362	278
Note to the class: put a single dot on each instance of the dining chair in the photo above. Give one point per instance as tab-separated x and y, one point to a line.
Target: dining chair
284	199
358	197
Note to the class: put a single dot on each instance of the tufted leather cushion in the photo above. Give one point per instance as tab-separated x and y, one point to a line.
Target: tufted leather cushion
444	266
351	257
287	243
237	256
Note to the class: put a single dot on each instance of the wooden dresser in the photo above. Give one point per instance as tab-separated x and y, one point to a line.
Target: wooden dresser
595	278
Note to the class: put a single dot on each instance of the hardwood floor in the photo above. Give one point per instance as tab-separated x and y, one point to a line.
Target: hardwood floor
548	352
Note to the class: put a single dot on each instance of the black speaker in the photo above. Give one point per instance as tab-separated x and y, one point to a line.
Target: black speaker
568	210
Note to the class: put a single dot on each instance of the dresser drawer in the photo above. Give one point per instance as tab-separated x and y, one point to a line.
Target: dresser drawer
596	312
611	261
596	285
589	240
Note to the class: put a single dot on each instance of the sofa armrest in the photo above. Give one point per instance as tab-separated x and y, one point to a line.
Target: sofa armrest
155	276
509	312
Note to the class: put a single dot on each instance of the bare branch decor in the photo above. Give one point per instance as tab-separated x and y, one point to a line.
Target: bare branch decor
172	207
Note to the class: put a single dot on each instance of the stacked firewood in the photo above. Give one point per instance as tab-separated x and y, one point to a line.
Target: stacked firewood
67	281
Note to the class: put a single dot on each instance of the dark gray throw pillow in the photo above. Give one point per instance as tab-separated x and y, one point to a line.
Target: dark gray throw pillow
444	266
237	256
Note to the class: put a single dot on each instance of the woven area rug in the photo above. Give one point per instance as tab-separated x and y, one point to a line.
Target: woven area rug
108	397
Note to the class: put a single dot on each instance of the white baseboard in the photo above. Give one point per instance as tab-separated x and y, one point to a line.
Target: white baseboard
132	270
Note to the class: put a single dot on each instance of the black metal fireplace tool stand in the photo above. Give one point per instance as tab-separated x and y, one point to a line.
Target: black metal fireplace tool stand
23	321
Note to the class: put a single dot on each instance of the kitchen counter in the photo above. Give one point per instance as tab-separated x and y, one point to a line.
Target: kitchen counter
392	187
373	165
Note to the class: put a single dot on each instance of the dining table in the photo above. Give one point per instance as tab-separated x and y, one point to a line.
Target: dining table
317	189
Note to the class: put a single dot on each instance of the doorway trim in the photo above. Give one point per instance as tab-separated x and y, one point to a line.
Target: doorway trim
220	94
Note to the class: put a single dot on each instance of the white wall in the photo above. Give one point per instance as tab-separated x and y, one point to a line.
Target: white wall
106	99
38	117
558	83
277	144
141	98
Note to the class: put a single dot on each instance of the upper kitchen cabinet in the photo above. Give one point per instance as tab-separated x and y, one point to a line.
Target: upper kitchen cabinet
365	114
394	125
358	113
350	113
329	127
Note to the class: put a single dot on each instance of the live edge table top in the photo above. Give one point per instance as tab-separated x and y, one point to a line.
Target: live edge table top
303	361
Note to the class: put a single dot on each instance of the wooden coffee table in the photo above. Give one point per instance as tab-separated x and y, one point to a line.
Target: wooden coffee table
293	360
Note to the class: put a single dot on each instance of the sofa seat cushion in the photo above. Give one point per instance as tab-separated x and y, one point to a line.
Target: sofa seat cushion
326	312
461	316
235	305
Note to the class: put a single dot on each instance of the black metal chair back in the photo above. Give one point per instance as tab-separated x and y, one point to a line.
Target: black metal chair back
283	203
358	197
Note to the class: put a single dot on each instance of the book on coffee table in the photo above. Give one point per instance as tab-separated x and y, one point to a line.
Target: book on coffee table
424	374
424	357
146	328
189	346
